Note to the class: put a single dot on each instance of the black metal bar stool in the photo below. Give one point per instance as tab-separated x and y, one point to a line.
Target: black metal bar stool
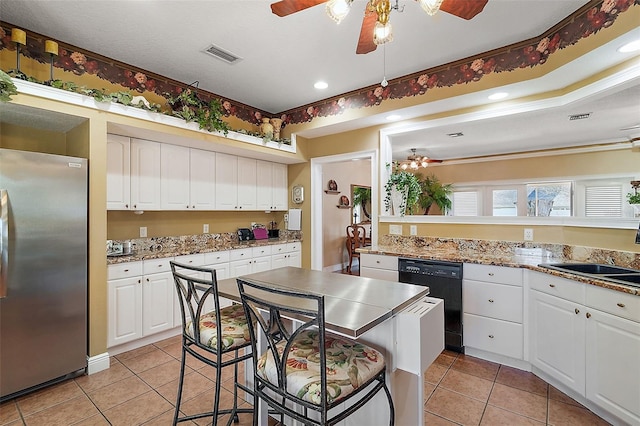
220	331
291	375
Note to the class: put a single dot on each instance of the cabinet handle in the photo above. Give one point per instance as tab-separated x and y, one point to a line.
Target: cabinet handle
193	207
588	315
126	205
491	336
126	270
135	206
147	279
139	281
490	274
620	305
490	300
552	285
577	311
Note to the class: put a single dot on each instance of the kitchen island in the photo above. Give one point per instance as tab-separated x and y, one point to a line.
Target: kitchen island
397	319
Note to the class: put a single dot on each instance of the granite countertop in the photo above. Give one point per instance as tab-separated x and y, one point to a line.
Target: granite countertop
175	247
506	257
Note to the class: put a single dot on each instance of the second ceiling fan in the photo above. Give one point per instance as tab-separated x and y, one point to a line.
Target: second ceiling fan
375	24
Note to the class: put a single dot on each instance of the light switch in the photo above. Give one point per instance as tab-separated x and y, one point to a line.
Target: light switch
143	232
395	229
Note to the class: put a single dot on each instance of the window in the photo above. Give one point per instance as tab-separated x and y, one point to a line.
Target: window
505	202
465	203
603	200
549	199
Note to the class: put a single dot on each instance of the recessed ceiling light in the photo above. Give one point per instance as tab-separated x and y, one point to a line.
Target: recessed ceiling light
630	47
498	95
393	117
321	85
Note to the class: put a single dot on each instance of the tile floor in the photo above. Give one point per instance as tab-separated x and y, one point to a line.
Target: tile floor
140	389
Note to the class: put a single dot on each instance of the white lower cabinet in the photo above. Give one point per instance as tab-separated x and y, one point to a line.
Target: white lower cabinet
124	305
379	266
158	295
287	254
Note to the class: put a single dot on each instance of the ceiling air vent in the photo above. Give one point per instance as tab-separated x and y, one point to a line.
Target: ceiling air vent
455	135
583	116
222	54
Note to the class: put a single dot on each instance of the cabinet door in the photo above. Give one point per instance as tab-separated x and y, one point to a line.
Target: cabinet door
226	182
158	296
294	259
280	187
613	371
264	184
125	311
174	177
118	175
557	339
247	188
145	175
203	179
261	264
279	260
239	267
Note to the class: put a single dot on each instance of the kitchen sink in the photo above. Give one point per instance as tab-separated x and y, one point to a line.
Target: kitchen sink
612	273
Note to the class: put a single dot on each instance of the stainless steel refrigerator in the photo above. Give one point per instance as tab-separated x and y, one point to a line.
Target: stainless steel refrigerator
43	275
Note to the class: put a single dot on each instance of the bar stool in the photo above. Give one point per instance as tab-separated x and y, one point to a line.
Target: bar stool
198	295
291	375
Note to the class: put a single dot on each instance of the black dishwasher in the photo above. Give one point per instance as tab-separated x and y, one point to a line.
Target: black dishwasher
444	280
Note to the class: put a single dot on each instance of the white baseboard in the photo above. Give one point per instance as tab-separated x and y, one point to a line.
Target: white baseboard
135	344
98	363
334	268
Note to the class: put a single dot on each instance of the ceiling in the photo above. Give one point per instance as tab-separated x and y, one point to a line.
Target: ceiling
283	57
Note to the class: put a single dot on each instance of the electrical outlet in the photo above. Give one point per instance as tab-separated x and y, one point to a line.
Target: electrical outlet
413	230
286	217
143	232
528	234
395	229
205	228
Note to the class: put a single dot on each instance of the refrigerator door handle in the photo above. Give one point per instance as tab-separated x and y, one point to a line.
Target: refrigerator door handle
4	241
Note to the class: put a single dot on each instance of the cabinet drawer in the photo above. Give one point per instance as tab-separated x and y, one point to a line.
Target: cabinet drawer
556	286
379	261
191	259
379	274
492	335
124	270
261	251
493	274
153	266
294	246
279	248
216	257
240	254
492	300
613	302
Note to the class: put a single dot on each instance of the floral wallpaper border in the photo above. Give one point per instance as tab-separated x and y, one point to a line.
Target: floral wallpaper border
590	19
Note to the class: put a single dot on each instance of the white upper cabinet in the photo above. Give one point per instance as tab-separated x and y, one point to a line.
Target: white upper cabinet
226	182
145	175
203	180
271	183
118	175
246	183
187	178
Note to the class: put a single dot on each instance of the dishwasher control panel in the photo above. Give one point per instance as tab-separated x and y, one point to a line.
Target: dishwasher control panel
430	268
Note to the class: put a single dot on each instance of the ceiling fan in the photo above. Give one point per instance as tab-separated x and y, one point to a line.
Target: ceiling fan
414	161
376	28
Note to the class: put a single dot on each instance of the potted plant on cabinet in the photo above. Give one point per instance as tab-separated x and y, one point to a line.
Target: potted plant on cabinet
362	197
634	197
402	191
434	191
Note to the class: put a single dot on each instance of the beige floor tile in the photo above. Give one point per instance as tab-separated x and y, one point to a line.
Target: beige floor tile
114	373
556	395
433	420
204	403
163	373
97	420
518	401
455	407
494	416
135	352
47	397
170	341
466	384
446	358
147	360
118	392
18	422
522	380
435	373
174	349
476	367
9	412
194	384
561	414
138	410
164	419
427	390
68	412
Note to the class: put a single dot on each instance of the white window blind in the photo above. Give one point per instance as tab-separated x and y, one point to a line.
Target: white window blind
465	203
603	201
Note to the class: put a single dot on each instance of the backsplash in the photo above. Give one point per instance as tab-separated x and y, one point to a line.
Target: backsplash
555	251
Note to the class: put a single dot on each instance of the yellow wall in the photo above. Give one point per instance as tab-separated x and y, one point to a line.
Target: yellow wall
30	139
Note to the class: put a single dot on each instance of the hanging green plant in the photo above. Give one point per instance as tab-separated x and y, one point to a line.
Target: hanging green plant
7	88
402	181
188	106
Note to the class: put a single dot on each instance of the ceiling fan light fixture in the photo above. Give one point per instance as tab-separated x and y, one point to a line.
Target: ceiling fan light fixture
430	6
382	33
338	9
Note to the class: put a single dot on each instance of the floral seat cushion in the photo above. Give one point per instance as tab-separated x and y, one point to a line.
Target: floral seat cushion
349	365
235	330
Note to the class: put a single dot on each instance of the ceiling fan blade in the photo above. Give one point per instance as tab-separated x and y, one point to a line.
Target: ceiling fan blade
465	9
431	160
287	7
365	42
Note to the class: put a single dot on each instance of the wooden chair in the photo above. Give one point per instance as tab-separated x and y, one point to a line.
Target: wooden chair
304	373
356	237
219	340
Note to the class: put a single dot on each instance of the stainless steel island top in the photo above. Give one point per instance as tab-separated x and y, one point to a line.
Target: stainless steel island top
353	304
